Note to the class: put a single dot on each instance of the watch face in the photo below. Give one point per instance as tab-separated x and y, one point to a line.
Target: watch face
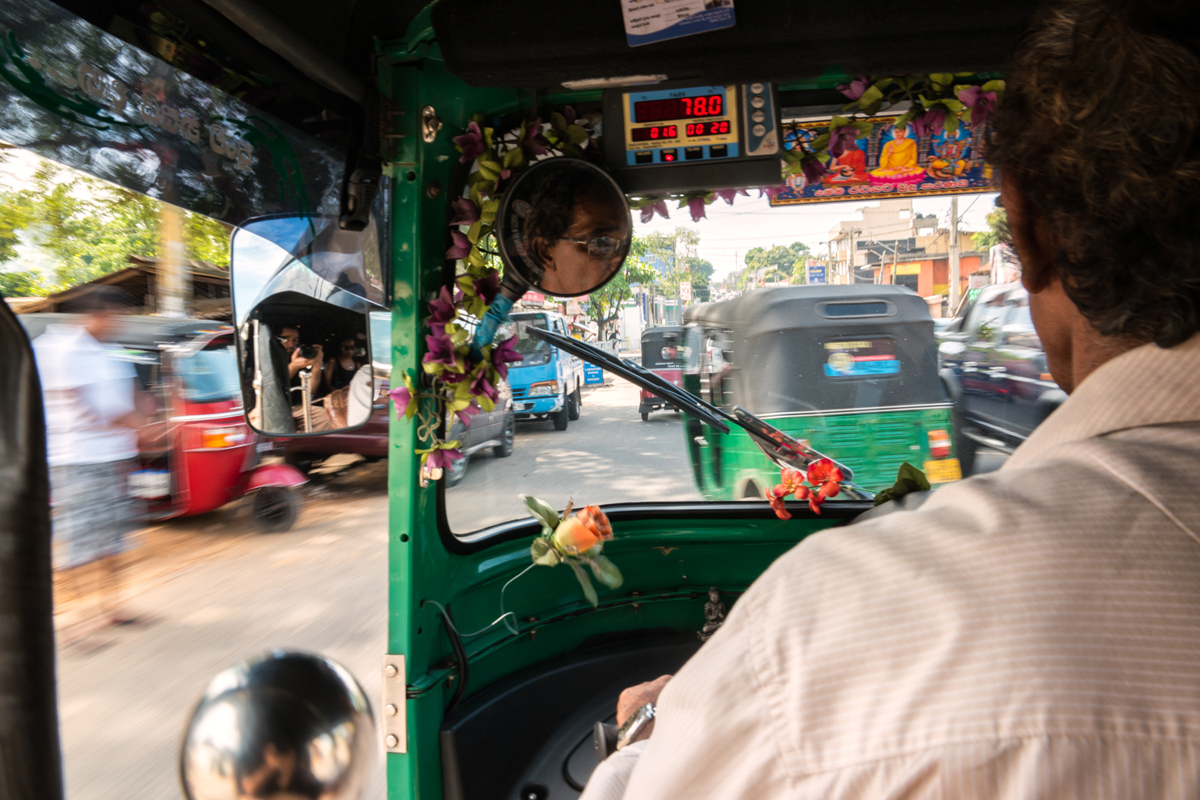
633	726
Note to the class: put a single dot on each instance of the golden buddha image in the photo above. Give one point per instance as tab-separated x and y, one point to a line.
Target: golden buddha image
898	161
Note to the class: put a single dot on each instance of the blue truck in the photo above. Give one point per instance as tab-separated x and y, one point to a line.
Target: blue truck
547	383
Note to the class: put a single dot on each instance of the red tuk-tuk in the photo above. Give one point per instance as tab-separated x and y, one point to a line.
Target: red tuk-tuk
662	354
206	455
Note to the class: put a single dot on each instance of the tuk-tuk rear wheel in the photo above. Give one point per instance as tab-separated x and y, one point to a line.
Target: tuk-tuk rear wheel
275	508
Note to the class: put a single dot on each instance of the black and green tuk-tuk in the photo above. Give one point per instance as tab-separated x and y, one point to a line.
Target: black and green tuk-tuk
662	354
349	144
850	370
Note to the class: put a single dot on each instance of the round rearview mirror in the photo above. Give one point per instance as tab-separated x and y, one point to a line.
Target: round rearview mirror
564	227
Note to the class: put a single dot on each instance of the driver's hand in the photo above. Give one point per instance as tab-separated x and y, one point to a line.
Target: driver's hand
635	697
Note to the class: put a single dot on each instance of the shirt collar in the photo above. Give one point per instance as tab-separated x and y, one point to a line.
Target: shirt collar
1148	385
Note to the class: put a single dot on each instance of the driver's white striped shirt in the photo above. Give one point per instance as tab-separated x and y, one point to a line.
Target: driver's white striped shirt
1033	633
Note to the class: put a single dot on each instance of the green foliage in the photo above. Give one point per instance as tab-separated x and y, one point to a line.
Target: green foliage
997	232
604	305
783	263
90	228
22	284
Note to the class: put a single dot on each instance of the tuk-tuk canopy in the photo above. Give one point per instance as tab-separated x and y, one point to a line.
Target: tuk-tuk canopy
662	347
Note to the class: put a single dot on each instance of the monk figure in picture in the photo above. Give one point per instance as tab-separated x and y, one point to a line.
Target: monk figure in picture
850	167
898	161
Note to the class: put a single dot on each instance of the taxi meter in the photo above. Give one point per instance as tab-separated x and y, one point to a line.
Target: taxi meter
693	137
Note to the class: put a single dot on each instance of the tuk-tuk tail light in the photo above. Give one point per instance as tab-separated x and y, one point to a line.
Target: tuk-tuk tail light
221	438
939	444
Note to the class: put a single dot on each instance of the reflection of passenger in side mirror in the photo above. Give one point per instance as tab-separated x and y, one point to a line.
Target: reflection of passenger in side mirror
304	361
576	231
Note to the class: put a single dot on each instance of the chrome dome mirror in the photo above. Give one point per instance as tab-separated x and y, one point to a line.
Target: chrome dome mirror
282	725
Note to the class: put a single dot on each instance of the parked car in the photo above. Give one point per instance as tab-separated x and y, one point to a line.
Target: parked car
996	372
493	429
548	382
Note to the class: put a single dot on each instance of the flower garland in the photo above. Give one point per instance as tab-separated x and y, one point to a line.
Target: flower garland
822	481
461	382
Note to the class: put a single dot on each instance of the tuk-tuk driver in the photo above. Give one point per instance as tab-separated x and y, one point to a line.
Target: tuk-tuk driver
1034	632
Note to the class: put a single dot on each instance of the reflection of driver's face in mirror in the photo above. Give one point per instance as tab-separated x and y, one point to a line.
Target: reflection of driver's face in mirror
577	232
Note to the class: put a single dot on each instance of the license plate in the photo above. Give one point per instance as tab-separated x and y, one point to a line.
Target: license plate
150	484
943	471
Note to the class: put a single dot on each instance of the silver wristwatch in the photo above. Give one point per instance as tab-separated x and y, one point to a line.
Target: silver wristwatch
637	722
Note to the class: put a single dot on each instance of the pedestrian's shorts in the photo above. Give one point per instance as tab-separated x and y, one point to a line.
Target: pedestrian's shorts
92	511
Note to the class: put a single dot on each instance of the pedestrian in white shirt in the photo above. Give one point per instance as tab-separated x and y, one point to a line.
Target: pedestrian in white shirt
1032	633
92	445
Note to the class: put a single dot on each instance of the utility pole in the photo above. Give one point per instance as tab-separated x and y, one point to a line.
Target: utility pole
954	280
172	284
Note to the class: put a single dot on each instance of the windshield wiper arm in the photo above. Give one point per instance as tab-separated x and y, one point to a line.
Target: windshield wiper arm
784	451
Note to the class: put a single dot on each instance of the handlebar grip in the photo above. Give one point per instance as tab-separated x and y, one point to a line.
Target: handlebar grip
604	739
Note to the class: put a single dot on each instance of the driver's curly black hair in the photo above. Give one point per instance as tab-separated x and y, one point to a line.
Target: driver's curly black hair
554	199
1099	127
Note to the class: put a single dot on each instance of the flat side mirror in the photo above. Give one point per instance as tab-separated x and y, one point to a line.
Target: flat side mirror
304	341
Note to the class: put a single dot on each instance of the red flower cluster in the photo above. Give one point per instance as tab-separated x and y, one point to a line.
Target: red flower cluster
822	482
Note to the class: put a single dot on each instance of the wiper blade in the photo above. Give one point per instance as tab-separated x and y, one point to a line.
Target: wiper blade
639	375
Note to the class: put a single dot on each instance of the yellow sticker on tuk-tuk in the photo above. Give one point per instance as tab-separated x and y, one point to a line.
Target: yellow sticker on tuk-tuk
943	471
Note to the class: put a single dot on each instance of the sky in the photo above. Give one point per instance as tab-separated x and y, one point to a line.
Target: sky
729	231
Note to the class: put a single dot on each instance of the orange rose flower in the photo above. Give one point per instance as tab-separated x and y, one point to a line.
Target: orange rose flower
582	531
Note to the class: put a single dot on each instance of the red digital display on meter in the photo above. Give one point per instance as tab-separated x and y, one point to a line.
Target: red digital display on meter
655	132
707	128
709	105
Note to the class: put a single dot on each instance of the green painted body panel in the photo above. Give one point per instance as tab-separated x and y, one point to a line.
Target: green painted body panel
872	444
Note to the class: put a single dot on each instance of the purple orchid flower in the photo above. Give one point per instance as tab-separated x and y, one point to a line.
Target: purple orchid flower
535	143
659	207
728	194
441	351
470	144
503	354
450	376
461	246
464	414
813	169
401	398
441	458
929	123
482	387
465	211
441	311
980	102
840	138
855	88
487	288
769	192
696	206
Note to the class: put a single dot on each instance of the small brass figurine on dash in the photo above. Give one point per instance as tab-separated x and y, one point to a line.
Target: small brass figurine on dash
714	615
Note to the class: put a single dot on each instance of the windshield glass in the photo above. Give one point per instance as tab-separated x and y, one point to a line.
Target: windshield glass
802	314
534	352
210	375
